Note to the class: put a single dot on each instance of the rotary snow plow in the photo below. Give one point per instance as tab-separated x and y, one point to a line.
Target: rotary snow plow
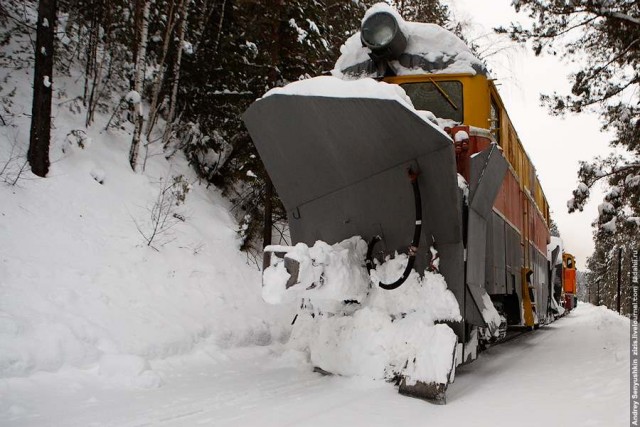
374	197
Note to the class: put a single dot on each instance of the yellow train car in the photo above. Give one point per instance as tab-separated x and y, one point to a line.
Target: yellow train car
521	209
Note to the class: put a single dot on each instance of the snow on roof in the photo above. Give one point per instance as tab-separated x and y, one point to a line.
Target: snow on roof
430	49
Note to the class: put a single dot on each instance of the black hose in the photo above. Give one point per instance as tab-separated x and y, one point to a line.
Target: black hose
413	249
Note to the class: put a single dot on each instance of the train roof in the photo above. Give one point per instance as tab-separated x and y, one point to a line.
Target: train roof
430	49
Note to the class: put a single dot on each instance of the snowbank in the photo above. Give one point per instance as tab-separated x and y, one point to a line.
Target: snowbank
79	287
430	49
390	333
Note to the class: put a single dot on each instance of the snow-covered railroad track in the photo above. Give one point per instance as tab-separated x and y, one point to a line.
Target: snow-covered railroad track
583	382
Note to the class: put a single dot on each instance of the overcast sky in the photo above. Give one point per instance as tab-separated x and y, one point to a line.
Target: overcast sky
555	145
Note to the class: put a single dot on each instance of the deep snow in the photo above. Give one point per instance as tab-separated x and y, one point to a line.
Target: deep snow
79	287
573	372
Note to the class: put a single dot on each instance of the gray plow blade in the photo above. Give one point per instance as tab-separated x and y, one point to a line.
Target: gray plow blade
487	173
340	168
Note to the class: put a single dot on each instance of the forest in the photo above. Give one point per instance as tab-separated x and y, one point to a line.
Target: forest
182	72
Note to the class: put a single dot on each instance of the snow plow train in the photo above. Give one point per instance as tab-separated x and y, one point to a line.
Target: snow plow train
398	171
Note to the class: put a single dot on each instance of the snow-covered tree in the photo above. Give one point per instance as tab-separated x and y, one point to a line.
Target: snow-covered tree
553	228
142	8
242	50
431	11
602	39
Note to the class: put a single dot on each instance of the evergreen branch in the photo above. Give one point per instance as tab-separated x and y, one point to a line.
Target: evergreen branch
612	60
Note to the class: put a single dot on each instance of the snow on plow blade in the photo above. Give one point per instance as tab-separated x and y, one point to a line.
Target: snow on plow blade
328	272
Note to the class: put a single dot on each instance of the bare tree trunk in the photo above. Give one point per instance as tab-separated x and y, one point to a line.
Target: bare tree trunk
38	154
217	45
142	30
268	220
176	73
94	68
159	80
273	76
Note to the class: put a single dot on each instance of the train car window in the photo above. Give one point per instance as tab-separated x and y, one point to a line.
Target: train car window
569	263
444	99
495	124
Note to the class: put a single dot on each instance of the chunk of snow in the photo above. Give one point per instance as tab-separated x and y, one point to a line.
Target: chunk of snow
609	226
634	219
45	23
326	272
464	186
461	136
133	97
389	333
302	34
372	344
614	193
605	208
251	174
129	370
46	82
313	27
490	314
187	47
632	180
582	188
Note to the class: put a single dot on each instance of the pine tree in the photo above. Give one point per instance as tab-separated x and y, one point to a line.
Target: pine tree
553	228
607	32
431	11
242	50
602	39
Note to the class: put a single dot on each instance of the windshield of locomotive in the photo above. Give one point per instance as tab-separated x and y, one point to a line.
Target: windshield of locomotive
444	99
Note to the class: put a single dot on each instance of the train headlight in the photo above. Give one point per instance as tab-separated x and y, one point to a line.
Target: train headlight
381	33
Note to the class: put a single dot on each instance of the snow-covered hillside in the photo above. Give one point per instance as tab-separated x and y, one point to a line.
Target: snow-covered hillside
79	286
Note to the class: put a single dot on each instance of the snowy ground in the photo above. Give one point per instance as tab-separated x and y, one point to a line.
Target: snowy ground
571	373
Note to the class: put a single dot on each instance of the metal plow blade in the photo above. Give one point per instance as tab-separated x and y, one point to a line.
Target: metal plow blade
434	392
340	166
